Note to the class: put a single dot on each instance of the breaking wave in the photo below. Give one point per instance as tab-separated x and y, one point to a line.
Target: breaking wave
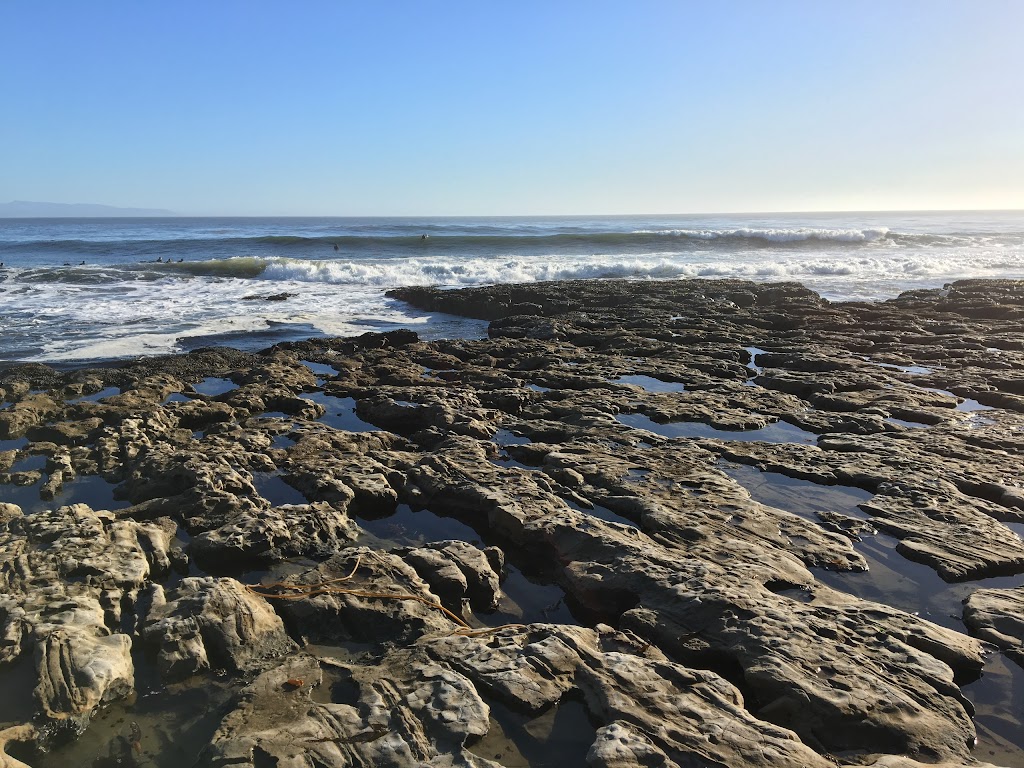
463	243
466	271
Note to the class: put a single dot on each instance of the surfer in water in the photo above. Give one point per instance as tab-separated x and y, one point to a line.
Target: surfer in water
335	246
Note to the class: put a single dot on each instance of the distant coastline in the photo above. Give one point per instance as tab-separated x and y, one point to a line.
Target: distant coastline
26	209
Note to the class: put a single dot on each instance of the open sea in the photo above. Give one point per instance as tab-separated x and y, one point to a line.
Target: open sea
74	291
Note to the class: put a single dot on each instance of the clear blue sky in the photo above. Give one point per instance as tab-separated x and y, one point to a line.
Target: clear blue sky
395	108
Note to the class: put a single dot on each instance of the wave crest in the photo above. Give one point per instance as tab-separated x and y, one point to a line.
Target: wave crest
774	235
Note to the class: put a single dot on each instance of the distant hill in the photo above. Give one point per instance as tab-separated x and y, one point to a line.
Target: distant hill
26	209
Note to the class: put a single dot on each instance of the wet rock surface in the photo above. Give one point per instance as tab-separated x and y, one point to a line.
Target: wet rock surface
217	526
998	616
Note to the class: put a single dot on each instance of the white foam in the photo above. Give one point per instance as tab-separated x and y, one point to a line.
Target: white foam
121	312
750	264
776	235
123	346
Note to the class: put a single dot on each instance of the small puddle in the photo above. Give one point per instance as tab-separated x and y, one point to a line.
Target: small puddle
274	489
524	598
650	384
273	573
97	396
914	370
970	406
345	651
13	445
754	352
529	599
282	441
320	369
603	513
18	679
212	386
160	726
176	397
779	432
25	496
560	736
912	587
801	497
29	463
966	404
504	437
998	697
891	579
340	413
92	490
905	423
409	528
504	460
538	388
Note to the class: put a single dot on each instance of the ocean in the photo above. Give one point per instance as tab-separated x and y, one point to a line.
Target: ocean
76	291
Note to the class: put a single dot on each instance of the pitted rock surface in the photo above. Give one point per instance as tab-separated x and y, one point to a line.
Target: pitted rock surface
698	627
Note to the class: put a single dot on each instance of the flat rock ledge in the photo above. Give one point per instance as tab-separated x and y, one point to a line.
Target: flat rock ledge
629	528
997	615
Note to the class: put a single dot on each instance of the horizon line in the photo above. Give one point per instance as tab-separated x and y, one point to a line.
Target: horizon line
176	215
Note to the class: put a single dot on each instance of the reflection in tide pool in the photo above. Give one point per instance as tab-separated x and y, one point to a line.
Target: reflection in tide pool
274	489
603	513
998	698
893	580
408	528
92	490
163	726
650	384
779	432
212	386
505	437
559	736
340	413
97	396
525	598
13	445
320	369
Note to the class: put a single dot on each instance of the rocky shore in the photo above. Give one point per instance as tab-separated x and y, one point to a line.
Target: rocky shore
687	523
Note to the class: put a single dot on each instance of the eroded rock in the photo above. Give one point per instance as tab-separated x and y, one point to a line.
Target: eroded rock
211	622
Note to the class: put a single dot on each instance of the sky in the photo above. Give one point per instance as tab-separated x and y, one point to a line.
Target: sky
246	107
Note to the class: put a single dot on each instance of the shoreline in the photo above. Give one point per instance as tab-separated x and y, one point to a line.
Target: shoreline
735	496
426	298
84	292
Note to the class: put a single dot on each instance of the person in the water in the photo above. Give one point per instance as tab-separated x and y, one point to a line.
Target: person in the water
335	246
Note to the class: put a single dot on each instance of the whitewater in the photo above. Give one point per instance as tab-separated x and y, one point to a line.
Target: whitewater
75	291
